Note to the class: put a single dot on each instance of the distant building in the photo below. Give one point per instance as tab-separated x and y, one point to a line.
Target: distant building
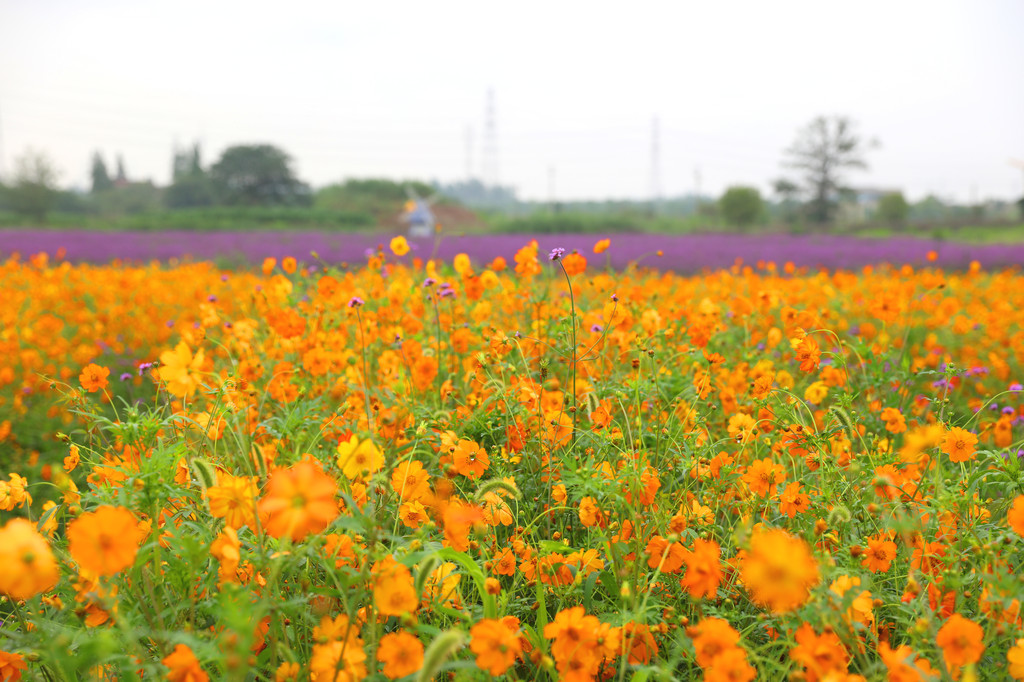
420	218
862	203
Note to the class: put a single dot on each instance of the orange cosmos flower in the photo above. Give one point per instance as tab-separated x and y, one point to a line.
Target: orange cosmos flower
27	566
590	514
495	646
11	666
779	570
298	501
711	637
288	264
668	556
458	520
960	641
820	655
792	501
393	591
400	652
894	420
574	264
470	459
808	354
233	499
73	459
104	541
763	475
602	246
94	377
703	569
1015	517
879	555
410	480
1015	659
730	666
184	666
959	444
268	265
903	666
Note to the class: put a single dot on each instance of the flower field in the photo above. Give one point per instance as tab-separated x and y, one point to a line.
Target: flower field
535	469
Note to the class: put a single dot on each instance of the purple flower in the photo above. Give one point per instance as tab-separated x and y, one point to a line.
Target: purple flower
355	302
145	366
429	282
597	329
1009	411
615	298
556	254
211	298
126	376
1015	387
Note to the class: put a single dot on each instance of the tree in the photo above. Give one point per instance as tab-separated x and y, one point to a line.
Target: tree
121	177
35	185
100	177
823	151
257	175
741	206
191	186
893	208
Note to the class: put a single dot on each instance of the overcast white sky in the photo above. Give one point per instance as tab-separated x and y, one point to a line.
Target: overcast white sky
357	89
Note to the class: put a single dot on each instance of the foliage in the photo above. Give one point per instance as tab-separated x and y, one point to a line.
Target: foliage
129	198
823	151
101	181
893	208
34	189
257	175
364	474
741	206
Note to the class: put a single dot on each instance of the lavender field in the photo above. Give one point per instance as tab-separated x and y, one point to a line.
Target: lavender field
680	253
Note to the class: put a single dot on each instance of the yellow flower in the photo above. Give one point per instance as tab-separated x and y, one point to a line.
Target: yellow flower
356	457
399	246
179	369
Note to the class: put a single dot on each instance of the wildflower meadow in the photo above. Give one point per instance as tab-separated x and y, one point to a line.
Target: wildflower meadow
532	468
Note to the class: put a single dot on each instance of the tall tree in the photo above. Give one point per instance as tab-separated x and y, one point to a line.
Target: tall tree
100	177
257	175
191	186
34	190
121	176
823	152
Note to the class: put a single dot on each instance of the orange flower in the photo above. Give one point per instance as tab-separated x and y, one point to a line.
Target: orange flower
590	514
72	460
400	652
602	245
960	641
11	666
94	377
894	421
495	646
820	655
711	637
104	541
808	354
184	666
233	499
288	264
703	569
470	459
298	501
393	591
903	666
763	475
730	666
574	264
458	520
792	501
410	480
779	570
664	555
1015	517
1015	660
959	444
27	566
879	555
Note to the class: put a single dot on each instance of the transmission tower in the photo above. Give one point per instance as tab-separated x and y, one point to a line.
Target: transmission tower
469	153
489	161
655	166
